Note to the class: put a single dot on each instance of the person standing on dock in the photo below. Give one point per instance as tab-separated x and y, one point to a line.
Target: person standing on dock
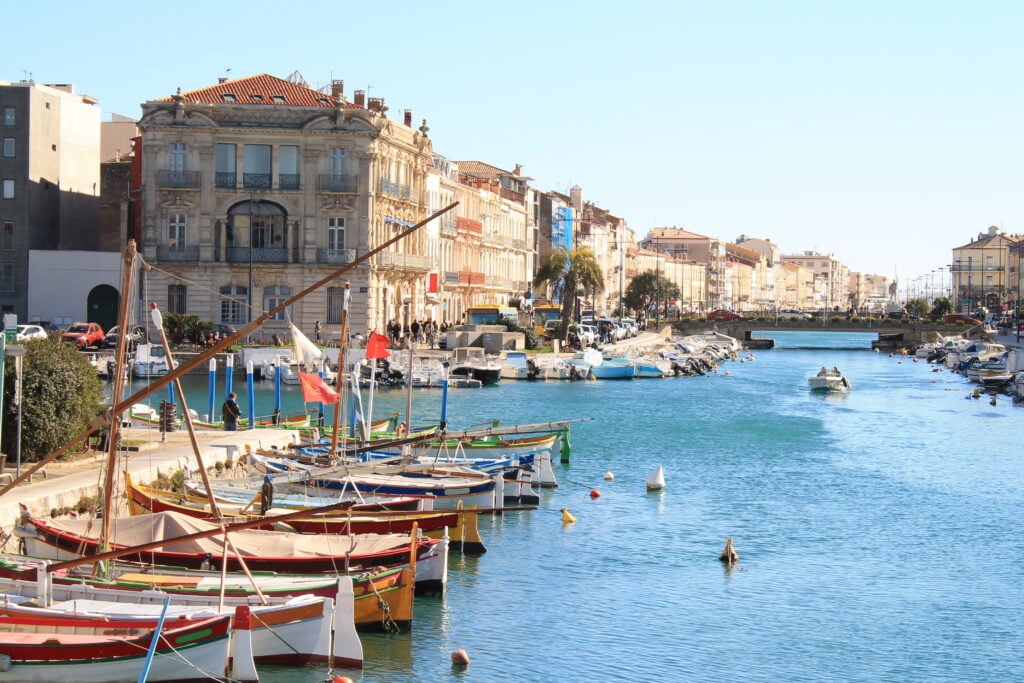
316	332
230	412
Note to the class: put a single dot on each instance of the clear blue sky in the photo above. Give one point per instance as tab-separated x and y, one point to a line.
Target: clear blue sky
884	132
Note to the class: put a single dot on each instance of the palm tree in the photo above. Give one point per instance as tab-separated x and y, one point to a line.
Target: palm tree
566	271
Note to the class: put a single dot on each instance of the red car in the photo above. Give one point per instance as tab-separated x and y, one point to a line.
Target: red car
723	314
84	335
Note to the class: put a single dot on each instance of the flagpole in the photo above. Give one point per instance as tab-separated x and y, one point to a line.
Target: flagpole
339	380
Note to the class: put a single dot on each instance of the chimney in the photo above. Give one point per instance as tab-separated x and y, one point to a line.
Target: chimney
222	79
408	118
375	104
518	170
576	198
338	90
360	98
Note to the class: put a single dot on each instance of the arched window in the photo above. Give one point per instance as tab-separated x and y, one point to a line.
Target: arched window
233	302
273	297
176	229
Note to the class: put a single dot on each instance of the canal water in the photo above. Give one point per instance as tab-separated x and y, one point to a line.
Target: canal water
879	532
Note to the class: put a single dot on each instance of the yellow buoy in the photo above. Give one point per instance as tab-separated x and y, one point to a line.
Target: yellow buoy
567	518
729	554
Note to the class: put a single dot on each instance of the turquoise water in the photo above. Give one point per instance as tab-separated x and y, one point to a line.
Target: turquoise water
879	532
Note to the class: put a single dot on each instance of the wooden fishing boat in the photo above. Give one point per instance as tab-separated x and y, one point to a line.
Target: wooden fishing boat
449	486
95	649
461	525
282	551
143	414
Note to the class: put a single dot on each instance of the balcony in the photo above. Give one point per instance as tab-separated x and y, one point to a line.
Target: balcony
173	252
392	188
256	181
259	254
225	180
391	259
469	225
287	181
333	182
179	180
468	277
451	277
449	227
335	256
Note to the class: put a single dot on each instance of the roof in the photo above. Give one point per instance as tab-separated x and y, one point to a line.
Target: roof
480	169
260	89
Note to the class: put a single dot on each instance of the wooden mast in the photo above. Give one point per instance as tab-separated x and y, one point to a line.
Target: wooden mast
339	379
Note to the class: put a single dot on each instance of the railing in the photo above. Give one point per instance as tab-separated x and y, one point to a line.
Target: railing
259	181
179	179
395	189
225	180
335	256
519	244
498	282
467	277
259	254
449	227
469	225
173	252
451	277
333	182
408	261
287	181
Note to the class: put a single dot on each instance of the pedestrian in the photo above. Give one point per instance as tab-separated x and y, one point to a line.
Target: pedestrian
230	412
316	332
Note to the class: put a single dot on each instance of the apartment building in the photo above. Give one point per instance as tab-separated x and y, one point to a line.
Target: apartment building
255	188
49	191
981	271
831	280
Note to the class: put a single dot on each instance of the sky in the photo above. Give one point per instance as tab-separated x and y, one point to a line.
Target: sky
885	133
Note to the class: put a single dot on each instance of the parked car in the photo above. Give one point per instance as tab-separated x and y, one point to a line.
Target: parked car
723	314
960	318
793	313
84	335
137	336
26	332
587	334
631	325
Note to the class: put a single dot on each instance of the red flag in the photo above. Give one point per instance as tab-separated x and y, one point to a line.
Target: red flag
315	391
377	346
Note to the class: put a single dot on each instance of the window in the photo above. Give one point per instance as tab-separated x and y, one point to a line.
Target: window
337	161
7	238
176	297
8	189
228	97
225	169
335	233
335	299
257	97
6	277
233	302
9	118
176	225
288	171
278	99
8	147
177	156
274	297
256	166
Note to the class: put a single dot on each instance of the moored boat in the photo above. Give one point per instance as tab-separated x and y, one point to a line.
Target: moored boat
829	380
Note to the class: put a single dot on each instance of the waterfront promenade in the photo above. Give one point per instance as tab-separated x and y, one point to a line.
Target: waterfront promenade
65	484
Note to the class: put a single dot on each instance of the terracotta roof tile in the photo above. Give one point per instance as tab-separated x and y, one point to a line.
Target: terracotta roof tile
260	89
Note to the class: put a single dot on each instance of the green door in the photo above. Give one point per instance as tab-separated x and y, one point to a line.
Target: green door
102	306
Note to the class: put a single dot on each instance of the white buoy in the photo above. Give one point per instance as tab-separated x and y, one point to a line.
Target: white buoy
655	481
608	476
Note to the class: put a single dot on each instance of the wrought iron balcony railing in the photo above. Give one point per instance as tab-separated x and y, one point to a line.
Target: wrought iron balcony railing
406	261
395	189
179	179
259	255
226	180
335	256
288	181
333	182
258	181
174	252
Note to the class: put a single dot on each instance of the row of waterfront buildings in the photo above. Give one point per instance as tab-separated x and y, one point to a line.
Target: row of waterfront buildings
245	192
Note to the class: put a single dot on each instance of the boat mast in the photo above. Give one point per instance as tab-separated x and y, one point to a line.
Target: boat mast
339	379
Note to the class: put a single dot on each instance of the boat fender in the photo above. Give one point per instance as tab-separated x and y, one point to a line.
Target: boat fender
5	663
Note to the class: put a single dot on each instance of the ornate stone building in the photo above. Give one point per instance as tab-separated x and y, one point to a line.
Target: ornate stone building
255	188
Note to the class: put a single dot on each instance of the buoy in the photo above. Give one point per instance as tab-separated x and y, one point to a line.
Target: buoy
729	555
608	476
339	679
594	493
567	518
976	393
993	401
460	658
728	372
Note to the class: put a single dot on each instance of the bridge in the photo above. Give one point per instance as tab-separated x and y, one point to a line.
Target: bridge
893	333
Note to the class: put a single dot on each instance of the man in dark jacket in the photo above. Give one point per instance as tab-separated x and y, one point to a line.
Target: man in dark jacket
230	412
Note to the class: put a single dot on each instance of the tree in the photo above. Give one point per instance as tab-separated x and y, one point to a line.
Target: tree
182	326
60	395
647	289
918	308
940	308
566	271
